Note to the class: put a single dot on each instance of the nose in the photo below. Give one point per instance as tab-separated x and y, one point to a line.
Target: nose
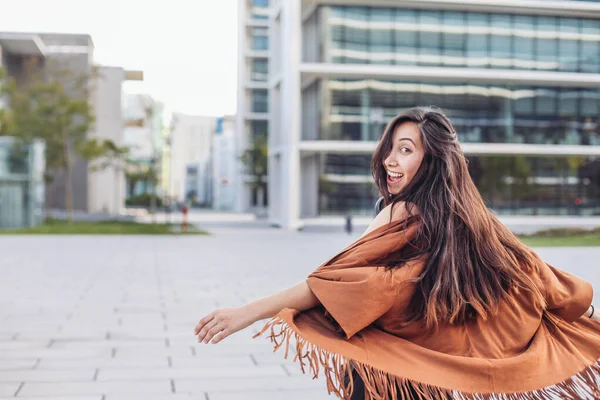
391	161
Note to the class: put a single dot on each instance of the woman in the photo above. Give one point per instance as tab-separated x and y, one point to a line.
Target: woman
437	299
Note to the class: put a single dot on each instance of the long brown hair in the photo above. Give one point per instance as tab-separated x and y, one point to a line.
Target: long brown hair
471	259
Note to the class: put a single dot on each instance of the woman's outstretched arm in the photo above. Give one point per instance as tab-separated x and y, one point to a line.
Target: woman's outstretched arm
221	323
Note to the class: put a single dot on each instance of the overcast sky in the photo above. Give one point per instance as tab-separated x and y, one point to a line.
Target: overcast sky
186	48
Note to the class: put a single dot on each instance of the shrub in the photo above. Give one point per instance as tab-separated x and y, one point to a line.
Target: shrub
143	200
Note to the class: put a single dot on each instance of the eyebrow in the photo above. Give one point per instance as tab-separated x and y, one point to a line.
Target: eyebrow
409	139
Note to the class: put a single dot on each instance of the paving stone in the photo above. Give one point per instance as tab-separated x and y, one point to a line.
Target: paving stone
48	376
55	353
123	362
153	351
126	307
8	389
247	384
23	345
94	388
14	365
106	374
314	394
97	397
172	396
215	361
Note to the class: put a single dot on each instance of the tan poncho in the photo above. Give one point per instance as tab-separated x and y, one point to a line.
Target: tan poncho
525	352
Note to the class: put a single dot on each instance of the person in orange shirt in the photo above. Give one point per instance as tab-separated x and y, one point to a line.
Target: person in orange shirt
437	299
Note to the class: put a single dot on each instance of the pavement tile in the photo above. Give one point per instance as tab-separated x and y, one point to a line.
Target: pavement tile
13	365
94	388
213	361
48	376
125	307
172	396
97	397
8	389
246	384
106	374
123	362
314	394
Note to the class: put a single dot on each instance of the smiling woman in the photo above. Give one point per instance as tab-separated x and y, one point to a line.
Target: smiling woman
403	158
437	299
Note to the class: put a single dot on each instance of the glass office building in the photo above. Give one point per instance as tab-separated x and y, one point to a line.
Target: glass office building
520	82
482	112
21	184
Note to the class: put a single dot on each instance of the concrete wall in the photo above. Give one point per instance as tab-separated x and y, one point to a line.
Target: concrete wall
191	141
310	172
106	188
224	166
79	64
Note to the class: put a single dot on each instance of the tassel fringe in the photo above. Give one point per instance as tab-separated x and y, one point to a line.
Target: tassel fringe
380	385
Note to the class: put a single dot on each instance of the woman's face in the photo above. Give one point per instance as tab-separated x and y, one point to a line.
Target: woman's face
405	156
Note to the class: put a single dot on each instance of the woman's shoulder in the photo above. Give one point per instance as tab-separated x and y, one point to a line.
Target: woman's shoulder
397	211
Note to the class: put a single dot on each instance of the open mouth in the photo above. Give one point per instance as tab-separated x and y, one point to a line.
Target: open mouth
394	177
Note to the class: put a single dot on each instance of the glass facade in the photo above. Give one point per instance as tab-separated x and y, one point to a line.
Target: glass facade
21	184
510	185
398	36
260	103
360	109
259	128
260	70
260	39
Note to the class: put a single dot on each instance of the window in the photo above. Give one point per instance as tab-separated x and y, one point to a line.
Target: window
259	128
396	35
260	69
260	39
260	3
260	101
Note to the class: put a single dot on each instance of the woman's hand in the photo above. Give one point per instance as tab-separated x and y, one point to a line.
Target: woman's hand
221	323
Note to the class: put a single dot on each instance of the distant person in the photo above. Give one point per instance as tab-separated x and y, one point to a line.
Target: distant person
437	299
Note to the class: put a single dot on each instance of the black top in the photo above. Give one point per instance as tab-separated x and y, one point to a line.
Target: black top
379	205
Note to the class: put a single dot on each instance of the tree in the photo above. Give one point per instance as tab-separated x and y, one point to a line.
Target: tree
4	117
135	175
255	158
52	104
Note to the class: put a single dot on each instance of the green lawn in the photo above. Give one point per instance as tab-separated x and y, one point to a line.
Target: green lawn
60	227
563	237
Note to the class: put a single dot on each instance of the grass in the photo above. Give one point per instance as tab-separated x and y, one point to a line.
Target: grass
109	227
563	237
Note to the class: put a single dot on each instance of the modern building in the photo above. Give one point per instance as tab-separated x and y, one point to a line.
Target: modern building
519	79
190	151
144	135
21	184
106	188
224	164
253	102
100	191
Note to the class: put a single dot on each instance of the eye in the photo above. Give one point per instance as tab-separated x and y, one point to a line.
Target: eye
405	150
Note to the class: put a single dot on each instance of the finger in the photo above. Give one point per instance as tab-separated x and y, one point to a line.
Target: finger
221	335
203	322
206	328
212	332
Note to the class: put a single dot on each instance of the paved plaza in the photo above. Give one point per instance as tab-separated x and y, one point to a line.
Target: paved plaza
112	318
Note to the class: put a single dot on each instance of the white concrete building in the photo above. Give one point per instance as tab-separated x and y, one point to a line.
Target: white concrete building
191	141
224	165
93	191
144	137
519	79
106	188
